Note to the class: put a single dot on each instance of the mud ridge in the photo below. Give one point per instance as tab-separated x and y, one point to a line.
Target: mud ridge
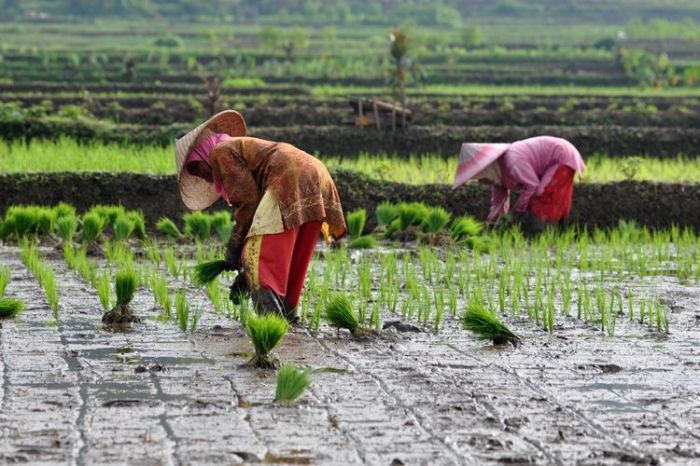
655	205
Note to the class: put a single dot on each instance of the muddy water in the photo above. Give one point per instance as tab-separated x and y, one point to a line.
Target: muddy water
73	393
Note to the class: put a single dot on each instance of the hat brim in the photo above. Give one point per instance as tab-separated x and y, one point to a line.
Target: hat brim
197	193
475	157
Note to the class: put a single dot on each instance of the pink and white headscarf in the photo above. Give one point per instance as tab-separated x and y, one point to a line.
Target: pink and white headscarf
474	158
202	153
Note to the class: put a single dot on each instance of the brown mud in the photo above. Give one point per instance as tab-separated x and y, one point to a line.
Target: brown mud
73	393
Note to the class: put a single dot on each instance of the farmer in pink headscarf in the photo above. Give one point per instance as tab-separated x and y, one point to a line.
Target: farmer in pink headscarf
541	169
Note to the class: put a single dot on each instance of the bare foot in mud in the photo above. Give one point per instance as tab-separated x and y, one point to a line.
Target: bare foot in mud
120	316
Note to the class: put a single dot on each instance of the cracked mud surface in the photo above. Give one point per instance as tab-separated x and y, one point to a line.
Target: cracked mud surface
73	393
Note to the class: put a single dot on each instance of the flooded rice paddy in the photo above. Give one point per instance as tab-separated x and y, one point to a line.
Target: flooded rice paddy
73	392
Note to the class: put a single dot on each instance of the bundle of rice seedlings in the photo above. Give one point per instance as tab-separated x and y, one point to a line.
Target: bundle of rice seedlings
4	280
20	221
168	227
108	213
10	307
45	220
386	213
266	332
64	210
465	227
93	226
123	228
223	225
206	272
339	312
139	222
198	225
291	383
66	227
356	222
125	284
436	220
363	242
487	326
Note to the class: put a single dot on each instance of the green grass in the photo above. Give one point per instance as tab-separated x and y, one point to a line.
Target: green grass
67	155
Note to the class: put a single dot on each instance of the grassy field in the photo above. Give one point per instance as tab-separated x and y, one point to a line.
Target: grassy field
67	155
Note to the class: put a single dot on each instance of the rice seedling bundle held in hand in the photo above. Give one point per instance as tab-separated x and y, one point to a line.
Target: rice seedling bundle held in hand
206	272
291	383
487	326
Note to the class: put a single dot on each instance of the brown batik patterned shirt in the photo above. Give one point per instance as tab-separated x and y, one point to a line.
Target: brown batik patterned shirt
304	189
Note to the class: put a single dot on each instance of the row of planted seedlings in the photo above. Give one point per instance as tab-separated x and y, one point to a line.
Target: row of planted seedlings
595	277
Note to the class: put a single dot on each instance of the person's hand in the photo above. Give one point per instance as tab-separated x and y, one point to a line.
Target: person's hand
233	257
238	290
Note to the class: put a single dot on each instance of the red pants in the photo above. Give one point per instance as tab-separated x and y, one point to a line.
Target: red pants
554	204
280	261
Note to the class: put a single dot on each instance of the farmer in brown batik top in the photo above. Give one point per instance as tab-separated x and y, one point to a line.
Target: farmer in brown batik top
284	199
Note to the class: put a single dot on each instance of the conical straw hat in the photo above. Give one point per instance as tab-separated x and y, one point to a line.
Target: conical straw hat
474	157
197	193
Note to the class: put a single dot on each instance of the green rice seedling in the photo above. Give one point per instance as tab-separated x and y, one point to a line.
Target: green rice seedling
465	227
436	221
182	310
4	280
138	220
123	228
266	332
171	262
207	272
125	284
168	228
10	307
356	222
393	228
159	288
487	326
47	279
452	301
198	225
154	255
386	213
104	290
375	318
291	383
66	227
216	296
223	225
93	226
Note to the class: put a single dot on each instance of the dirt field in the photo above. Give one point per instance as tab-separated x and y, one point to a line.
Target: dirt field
74	393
